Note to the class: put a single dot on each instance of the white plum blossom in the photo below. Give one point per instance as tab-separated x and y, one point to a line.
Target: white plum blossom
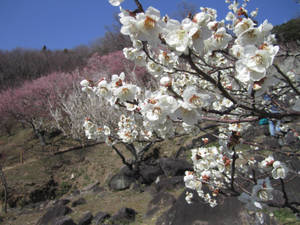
188	197
117	80
86	86
168	59
129	53
103	89
158	107
115	2
127	129
279	170
148	24
142	26
267	162
243	25
209	166
230	16
193	99
187	115
155	69
179	40
254	63
106	130
126	92
191	181
263	190
91	130
166	81
219	40
254	13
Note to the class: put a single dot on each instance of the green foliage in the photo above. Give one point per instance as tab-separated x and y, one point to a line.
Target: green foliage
289	31
286	216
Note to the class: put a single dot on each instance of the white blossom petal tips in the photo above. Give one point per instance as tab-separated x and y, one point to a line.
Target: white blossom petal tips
115	2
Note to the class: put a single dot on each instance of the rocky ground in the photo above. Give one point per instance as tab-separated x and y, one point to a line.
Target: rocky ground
91	186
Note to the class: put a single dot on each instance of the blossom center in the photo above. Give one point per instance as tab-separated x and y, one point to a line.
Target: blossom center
156	110
149	23
195	100
181	34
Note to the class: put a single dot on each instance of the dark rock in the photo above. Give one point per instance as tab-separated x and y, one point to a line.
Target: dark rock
293	184
66	220
122	180
127	172
44	192
58	210
79	201
174	167
292	189
100	217
86	219
123	216
54	133
150	173
230	211
292	140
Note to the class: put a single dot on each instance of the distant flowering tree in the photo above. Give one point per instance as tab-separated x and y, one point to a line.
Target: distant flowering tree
115	63
71	108
206	70
29	104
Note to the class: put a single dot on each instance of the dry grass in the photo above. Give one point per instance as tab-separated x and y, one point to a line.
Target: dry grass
97	163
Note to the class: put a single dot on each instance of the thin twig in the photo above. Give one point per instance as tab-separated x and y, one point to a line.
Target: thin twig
286	78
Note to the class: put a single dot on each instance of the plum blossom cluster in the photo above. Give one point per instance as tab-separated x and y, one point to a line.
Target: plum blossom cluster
278	169
113	92
212	167
206	70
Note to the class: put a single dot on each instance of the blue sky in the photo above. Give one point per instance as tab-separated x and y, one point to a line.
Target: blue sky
60	24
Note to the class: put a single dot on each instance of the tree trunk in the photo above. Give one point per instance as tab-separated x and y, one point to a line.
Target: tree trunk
39	134
3	180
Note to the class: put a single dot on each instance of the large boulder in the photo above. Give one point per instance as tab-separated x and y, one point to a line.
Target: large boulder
53	213
100	217
174	167
79	201
45	192
149	173
122	180
86	219
123	216
230	211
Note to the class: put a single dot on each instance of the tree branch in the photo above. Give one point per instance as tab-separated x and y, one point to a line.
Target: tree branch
286	78
122	157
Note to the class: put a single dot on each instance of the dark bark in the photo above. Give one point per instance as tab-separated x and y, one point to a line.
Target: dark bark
3	181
